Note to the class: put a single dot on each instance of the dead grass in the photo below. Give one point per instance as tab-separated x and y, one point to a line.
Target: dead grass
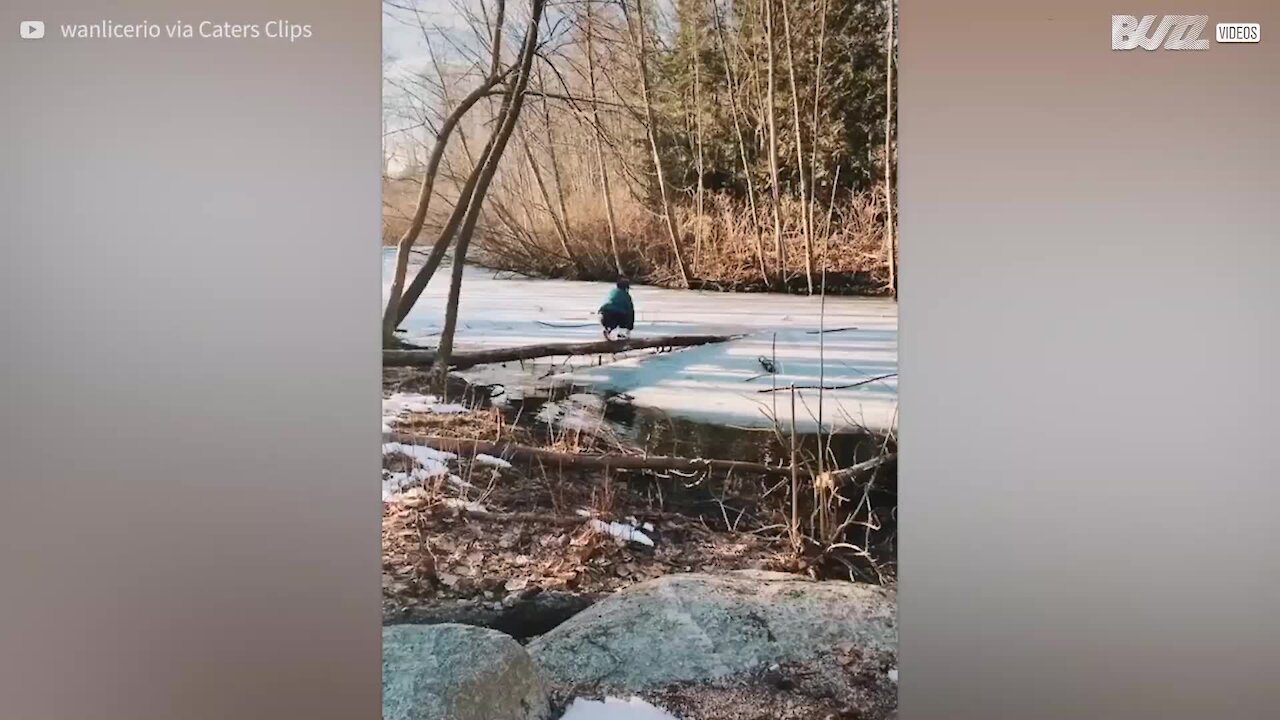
534	537
722	244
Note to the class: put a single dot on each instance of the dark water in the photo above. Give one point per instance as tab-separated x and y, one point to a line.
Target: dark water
661	434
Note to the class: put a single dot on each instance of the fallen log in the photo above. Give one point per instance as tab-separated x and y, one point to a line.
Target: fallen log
618	462
464	360
836	477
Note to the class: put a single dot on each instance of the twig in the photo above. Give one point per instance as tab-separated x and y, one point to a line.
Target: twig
860	383
832	330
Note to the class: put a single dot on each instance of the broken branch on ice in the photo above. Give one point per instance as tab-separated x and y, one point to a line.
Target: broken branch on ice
464	360
860	383
832	330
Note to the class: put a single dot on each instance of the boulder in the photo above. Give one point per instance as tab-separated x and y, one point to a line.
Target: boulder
701	628
458	672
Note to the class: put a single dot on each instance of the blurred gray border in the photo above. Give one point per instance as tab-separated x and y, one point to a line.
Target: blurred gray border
1088	469
190	290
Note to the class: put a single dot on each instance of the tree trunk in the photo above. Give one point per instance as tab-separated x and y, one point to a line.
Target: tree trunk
697	122
771	121
566	235
561	231
597	134
414	289
891	245
401	301
734	88
673	230
795	112
508	115
390	316
823	7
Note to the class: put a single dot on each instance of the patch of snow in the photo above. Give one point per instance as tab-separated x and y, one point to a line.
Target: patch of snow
399	405
461	504
459	483
428	463
421	454
394	483
447	409
403	403
648	527
615	709
893	674
492	461
622	531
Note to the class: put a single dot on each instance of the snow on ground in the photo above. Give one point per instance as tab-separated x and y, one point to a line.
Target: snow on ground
428	464
401	404
461	504
615	709
424	456
492	461
714	383
394	483
622	531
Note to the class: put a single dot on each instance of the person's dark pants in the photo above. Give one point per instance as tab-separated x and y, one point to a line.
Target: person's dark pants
612	320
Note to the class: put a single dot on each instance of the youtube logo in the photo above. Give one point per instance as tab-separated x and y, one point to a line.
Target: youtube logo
31	29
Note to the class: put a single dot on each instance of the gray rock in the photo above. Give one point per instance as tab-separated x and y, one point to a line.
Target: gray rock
458	672
697	627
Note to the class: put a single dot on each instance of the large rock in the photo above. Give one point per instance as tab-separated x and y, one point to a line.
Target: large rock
697	628
458	672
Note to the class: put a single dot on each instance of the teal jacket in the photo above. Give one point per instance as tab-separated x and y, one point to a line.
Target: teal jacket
619	301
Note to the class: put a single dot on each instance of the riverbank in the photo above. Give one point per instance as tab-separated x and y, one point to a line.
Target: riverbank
526	548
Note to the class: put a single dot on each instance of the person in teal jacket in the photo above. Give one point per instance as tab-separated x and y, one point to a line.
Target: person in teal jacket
617	312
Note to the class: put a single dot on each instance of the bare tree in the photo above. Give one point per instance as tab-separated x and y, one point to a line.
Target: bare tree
734	88
559	220
596	136
771	121
795	112
823	9
636	23
891	245
392	315
508	116
700	169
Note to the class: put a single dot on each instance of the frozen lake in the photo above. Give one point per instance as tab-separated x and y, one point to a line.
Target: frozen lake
719	383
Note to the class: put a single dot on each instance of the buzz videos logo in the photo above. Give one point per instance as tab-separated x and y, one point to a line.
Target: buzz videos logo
1174	32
